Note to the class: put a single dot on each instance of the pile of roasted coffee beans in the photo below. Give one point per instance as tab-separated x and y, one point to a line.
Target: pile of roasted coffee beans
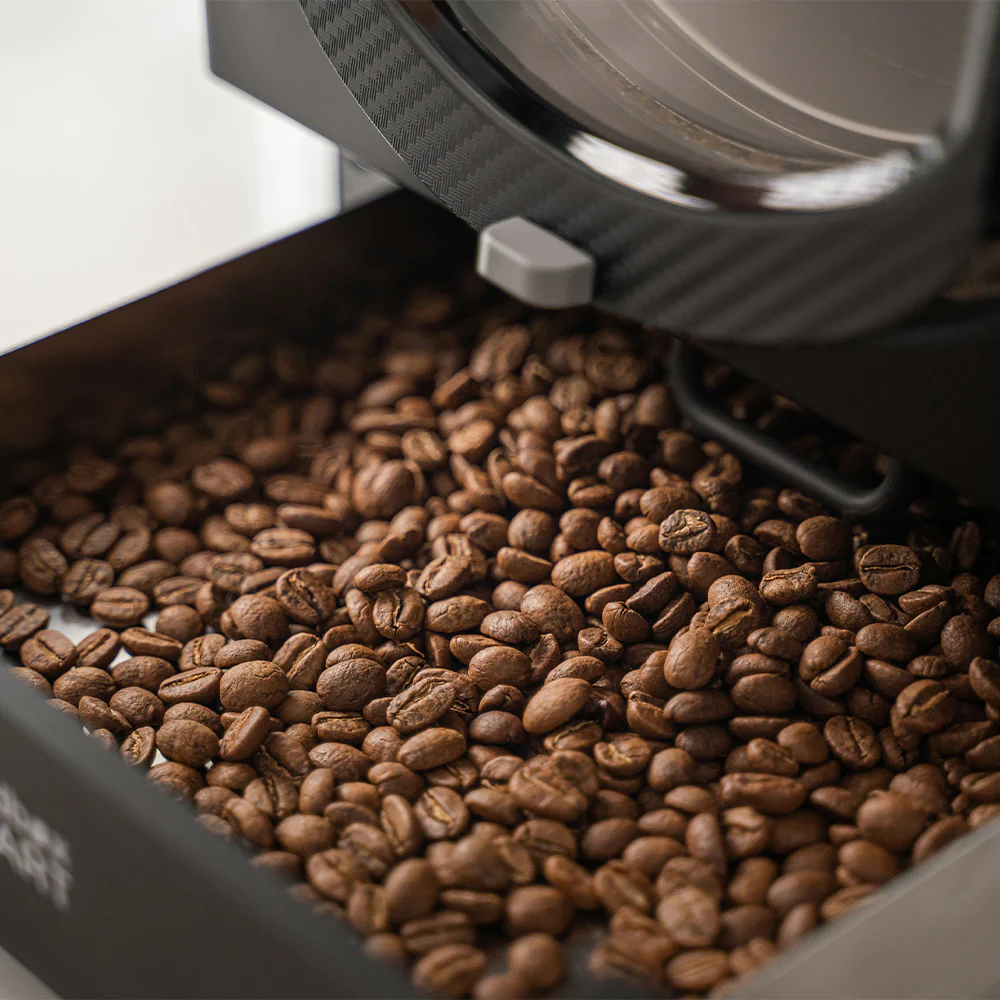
460	630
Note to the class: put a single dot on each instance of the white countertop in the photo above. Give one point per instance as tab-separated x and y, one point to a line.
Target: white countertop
126	165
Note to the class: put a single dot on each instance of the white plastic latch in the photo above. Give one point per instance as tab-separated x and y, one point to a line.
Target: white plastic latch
534	265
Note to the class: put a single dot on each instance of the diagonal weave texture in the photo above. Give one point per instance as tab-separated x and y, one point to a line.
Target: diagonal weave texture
727	278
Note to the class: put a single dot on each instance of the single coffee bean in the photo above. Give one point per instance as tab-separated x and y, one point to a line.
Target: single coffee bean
49	652
246	734
888	570
431	748
119	607
691	659
450	970
85	579
187	742
201	686
349	685
886	642
139	747
147	672
139	706
852	741
256	682
20	623
789	586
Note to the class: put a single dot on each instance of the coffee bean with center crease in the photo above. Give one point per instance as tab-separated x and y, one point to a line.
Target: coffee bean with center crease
49	652
923	707
443	577
201	686
441	813
85	579
685	532
421	705
139	747
557	786
888	570
398	614
853	742
119	607
829	666
20	623
42	566
142	642
789	586
245	735
450	971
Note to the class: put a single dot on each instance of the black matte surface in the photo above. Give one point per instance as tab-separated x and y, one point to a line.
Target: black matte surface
925	394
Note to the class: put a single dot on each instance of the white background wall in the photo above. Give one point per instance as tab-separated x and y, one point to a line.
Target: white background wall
124	165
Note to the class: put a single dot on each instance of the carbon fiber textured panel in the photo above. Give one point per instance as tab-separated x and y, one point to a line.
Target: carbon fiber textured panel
736	278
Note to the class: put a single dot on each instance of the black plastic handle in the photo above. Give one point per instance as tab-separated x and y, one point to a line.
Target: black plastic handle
772	456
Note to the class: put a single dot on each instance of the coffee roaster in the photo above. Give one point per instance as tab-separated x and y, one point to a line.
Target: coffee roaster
804	189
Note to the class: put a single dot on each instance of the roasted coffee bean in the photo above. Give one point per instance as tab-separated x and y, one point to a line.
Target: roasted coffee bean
85	579
536	908
771	794
852	741
140	707
555	704
20	623
450	970
181	781
255	682
142	642
552	611
147	672
201	686
556	787
349	685
690	916
84	681
119	607
441	813
49	652
139	747
201	651
499	664
886	642
431	748
246	734
888	570
685	532
187	742
691	659
891	820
